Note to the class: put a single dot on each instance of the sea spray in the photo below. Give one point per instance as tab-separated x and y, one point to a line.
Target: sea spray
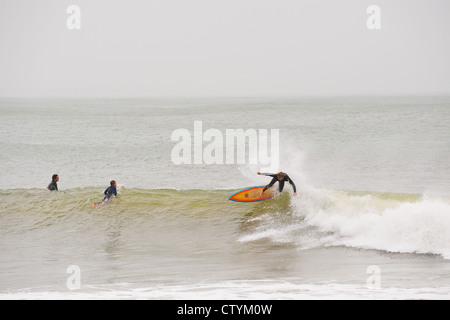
389	222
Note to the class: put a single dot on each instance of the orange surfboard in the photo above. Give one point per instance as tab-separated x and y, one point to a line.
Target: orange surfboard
252	194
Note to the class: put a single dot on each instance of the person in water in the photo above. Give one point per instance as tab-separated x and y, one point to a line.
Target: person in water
53	186
110	191
281	177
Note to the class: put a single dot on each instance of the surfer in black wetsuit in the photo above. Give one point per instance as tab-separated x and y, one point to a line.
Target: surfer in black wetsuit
53	186
281	177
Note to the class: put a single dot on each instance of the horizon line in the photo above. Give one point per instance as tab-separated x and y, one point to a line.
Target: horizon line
206	96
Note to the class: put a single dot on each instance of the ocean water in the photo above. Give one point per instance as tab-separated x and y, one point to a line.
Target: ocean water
370	221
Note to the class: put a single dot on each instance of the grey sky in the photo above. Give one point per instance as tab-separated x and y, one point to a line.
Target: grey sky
229	48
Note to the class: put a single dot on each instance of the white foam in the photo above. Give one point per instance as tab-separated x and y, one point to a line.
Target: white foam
280	234
231	290
392	225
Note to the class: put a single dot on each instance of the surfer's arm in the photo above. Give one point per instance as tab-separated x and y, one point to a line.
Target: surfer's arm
267	174
293	185
270	184
115	191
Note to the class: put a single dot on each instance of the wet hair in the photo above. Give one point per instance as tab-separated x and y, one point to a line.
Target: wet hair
113	182
281	174
54	177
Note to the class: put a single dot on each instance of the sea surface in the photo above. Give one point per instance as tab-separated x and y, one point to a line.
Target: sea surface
371	219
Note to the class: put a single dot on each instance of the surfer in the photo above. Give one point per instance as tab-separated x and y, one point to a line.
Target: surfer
281	177
53	186
109	193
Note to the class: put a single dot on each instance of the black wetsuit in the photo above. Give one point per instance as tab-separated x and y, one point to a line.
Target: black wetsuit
281	182
53	186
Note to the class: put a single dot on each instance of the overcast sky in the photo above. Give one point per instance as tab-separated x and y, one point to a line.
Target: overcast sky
145	48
